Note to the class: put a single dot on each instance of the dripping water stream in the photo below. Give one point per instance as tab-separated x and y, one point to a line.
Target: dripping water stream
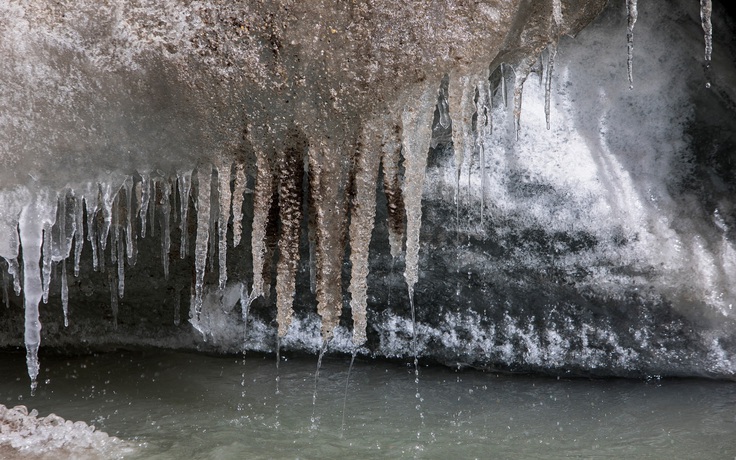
322	352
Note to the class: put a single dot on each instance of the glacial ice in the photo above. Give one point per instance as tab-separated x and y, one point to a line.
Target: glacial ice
313	184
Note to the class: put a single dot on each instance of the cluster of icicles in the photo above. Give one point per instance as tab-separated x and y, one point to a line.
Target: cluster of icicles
51	226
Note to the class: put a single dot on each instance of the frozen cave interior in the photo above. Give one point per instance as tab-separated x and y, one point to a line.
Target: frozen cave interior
246	176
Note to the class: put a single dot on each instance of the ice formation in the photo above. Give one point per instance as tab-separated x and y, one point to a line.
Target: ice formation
289	158
24	434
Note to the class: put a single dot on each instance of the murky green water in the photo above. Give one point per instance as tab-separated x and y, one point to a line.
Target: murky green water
181	405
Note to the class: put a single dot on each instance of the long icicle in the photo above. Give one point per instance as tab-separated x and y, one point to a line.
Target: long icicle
165	224
79	235
362	217
390	158
633	14
706	9
416	121
238	197
204	177
262	206
552	52
483	131
291	172
184	182
521	73
33	219
224	169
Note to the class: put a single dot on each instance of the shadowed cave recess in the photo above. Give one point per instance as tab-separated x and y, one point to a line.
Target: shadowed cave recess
251	176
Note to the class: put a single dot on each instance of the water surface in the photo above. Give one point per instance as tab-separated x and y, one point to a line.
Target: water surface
182	405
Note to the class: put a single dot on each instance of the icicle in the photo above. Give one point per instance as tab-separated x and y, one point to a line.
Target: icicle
46	261
504	93
362	218
14	270
557	13
121	266
79	235
552	50
238	196
145	197
483	131
633	14
706	9
261	208
311	232
33	219
390	157
108	198
165	225
115	234
417	125
129	213
461	91
117	246
521	74
291	172
184	181
64	293
214	215
225	197
443	108
91	203
204	177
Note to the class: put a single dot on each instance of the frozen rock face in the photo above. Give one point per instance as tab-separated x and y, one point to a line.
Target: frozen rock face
313	170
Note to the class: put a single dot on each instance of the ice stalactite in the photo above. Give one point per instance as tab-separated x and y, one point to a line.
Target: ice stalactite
551	54
165	224
557	13
79	235
328	187
91	202
311	230
108	195
145	197
238	197
46	262
119	247
706	9
483	131
416	121
184	182
521	73
291	172
34	218
204	192
633	14
390	158
362	217
129	213
261	208
461	91
214	217
443	108
224	169
14	271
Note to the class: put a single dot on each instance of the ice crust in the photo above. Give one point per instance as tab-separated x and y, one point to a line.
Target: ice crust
24	434
610	200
